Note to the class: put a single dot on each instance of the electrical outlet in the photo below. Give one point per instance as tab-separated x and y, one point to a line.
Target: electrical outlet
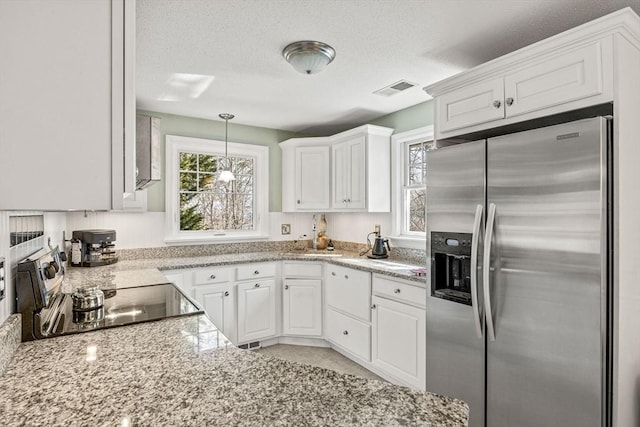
376	229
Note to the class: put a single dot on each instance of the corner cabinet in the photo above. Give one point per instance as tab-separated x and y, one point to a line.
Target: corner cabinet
68	104
349	171
302	299
257	302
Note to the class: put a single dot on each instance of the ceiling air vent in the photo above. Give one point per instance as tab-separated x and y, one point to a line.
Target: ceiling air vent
394	88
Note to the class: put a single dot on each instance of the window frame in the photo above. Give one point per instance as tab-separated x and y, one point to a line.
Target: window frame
176	144
399	177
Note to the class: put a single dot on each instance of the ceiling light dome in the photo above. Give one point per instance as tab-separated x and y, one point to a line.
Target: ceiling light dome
309	57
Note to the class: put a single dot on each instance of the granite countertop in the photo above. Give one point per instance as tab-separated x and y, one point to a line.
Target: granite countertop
182	371
142	272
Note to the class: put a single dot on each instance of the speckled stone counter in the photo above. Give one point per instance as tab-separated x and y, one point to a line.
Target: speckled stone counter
181	371
148	271
10	337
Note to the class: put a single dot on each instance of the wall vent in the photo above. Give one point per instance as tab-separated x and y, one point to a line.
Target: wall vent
394	88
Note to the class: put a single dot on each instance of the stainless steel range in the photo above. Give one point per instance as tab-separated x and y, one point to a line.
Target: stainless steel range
48	312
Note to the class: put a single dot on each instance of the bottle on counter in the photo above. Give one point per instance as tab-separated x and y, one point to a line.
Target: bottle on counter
330	245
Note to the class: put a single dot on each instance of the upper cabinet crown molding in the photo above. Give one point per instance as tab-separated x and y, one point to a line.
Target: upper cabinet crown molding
348	171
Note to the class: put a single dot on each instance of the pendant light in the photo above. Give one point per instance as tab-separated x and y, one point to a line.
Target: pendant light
225	174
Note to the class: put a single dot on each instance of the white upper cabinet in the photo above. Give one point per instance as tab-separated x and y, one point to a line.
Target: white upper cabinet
470	105
312	178
560	74
67	116
349	171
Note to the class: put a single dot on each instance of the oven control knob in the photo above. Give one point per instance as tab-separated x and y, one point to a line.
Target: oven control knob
55	265
49	271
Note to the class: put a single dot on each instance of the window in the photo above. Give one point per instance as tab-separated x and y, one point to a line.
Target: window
409	184
202	208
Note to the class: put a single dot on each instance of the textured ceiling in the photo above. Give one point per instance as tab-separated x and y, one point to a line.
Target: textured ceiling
203	57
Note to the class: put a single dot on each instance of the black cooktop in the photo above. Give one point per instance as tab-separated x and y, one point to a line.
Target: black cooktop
125	306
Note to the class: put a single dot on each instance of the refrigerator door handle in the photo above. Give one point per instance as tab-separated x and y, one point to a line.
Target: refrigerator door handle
491	216
475	238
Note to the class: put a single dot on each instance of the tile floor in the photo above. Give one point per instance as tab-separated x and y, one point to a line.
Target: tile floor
318	356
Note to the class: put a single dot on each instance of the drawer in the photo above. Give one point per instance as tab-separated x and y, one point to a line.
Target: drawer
210	275
399	290
349	333
302	269
348	290
255	271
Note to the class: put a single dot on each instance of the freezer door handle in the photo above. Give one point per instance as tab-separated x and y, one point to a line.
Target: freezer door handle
475	238
491	216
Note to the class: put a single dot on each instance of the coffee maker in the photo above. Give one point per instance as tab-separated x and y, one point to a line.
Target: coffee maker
93	248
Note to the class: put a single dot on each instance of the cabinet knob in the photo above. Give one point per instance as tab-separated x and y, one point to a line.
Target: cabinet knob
509	101
348	200
256	272
345	332
226	293
346	276
286	287
213	276
396	291
333	273
497	104
373	306
298	201
257	285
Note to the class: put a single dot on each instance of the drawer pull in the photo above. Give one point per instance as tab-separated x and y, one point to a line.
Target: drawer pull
345	332
346	276
509	101
226	293
256	272
333	273
286	287
212	277
497	104
257	285
373	306
396	291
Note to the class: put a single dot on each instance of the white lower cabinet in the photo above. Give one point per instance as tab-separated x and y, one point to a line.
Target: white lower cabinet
398	344
218	303
302	307
351	334
256	310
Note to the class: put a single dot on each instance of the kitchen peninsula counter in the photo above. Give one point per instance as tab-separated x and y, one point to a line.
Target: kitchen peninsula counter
182	371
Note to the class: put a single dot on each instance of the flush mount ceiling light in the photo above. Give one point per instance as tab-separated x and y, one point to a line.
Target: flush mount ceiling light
309	57
225	174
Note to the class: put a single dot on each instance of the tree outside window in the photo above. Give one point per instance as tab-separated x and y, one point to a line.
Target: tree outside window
206	203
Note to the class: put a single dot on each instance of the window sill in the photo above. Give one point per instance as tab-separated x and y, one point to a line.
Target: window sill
206	240
409	242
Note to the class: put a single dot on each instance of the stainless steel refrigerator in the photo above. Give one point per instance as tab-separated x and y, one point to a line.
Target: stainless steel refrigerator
517	314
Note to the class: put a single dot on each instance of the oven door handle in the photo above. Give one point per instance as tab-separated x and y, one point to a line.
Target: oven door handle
475	240
485	270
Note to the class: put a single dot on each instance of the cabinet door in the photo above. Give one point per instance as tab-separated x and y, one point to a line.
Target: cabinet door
349	291
569	77
218	304
349	174
312	177
470	105
64	87
302	307
399	341
256	310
